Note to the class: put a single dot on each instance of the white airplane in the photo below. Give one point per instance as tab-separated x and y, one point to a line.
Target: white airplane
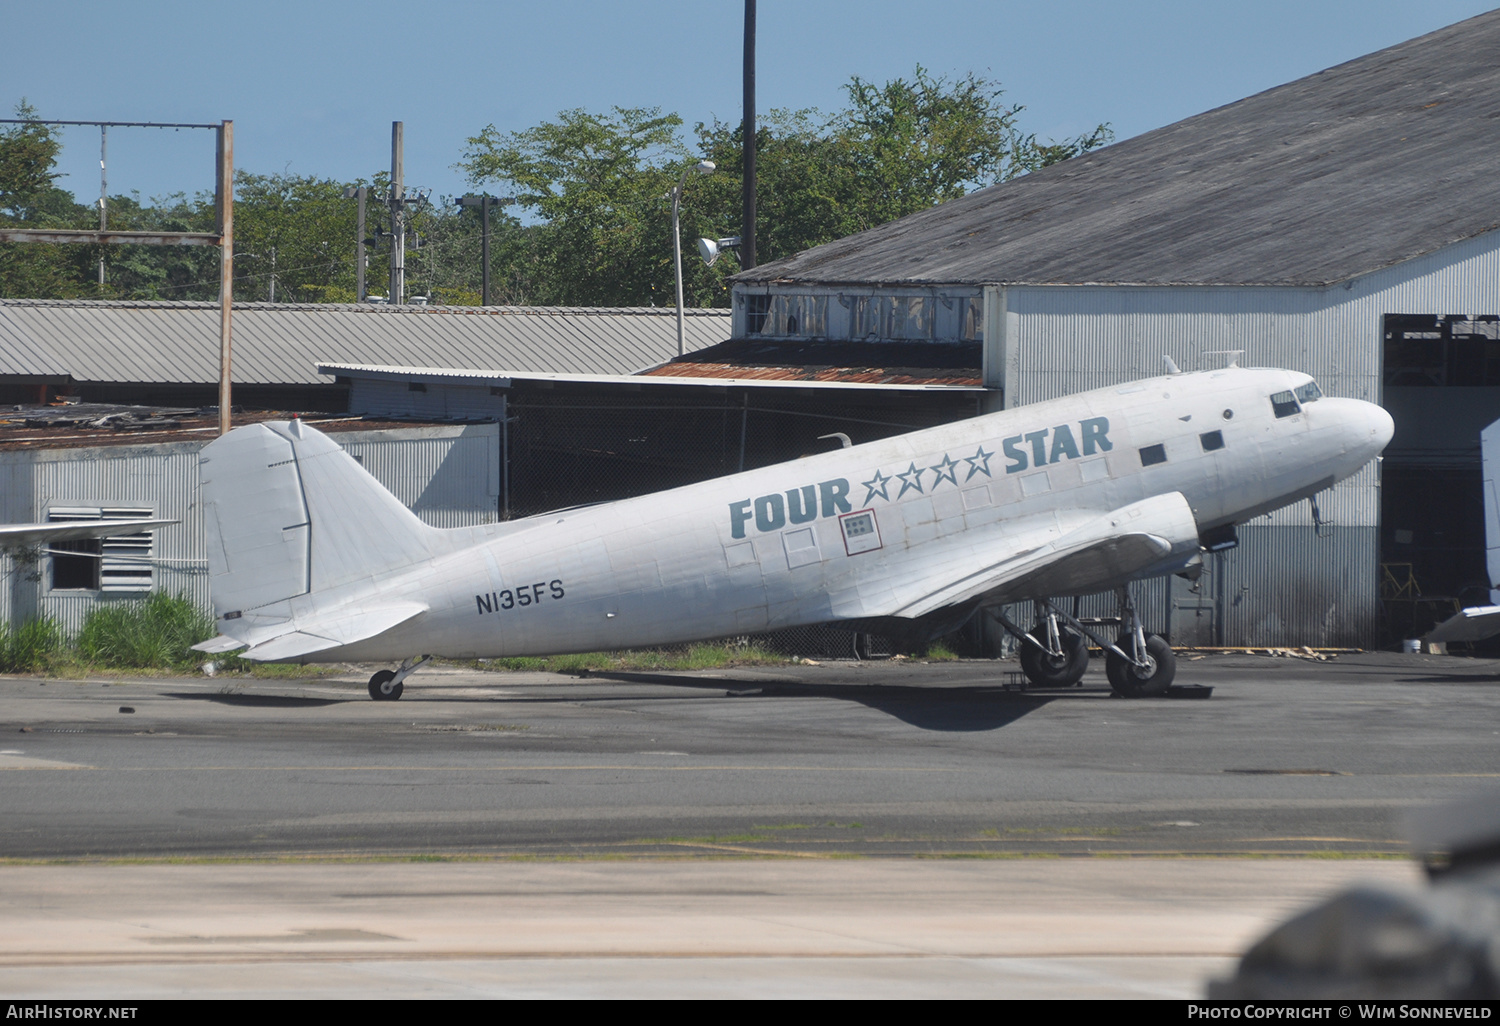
312	560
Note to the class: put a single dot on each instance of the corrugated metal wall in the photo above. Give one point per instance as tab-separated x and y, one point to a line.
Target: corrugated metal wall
1284	585
448	476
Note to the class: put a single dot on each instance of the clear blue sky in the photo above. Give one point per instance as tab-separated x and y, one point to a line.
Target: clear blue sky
313	86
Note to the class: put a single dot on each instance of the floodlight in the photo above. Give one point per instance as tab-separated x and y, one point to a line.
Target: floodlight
709	249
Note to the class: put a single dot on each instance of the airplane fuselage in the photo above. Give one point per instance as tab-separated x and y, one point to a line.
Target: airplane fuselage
858	532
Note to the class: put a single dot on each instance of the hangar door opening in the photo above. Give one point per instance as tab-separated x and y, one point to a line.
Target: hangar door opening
1441	385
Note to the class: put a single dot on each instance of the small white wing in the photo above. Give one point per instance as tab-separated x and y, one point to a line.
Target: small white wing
1473	624
73	530
315	633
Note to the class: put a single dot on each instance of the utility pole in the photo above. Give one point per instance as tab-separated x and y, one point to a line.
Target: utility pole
359	250
224	193
747	228
103	195
398	219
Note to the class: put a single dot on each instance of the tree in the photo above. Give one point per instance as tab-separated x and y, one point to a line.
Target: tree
28	153
597	184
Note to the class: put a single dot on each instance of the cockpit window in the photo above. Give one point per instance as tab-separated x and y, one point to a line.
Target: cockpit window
1309	392
1285	404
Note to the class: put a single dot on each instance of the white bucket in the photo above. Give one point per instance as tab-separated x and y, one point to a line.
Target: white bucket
1411	645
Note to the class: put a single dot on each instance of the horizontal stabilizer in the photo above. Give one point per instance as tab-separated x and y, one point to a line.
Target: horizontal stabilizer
307	635
74	530
218	645
1105	550
1473	624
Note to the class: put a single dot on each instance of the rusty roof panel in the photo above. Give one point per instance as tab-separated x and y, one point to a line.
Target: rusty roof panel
880	363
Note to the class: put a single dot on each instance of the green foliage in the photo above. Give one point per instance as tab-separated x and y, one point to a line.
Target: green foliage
295	230
29	647
598	185
153	633
597	182
27	155
588	220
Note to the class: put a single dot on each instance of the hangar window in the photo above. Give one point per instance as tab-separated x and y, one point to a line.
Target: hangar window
121	563
1425	350
1212	440
1153	454
1285	404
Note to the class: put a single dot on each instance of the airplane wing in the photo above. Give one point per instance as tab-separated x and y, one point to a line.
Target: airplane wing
1093	555
73	530
1472	624
293	639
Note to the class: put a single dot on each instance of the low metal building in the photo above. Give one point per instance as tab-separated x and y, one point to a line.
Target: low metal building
447	474
167	353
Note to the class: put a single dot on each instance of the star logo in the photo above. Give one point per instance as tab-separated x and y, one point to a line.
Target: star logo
979	463
944	470
877	487
911	478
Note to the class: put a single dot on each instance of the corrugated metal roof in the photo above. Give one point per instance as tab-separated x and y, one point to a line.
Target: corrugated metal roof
1359	167
873	363
99	341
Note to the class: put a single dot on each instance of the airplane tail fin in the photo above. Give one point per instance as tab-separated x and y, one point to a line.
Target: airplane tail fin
289	513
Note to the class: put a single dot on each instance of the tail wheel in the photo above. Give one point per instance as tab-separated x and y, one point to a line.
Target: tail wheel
1046	670
381	688
1147	681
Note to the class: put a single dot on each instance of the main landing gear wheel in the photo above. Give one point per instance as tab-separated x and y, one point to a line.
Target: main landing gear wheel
1147	681
382	689
1046	670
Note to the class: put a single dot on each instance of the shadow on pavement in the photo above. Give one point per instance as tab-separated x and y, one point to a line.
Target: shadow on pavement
264	701
946	708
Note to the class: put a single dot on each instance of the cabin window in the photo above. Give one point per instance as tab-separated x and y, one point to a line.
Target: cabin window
1308	393
1285	404
1153	454
1212	440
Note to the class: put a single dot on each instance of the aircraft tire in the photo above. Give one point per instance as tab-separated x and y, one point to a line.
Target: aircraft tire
381	688
1126	679
1048	671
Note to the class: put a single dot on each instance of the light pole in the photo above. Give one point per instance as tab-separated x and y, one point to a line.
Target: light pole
362	193
703	167
485	203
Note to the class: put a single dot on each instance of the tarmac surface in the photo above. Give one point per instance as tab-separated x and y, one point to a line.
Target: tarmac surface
695	831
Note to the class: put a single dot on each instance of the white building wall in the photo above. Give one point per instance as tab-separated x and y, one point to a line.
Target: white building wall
1284	585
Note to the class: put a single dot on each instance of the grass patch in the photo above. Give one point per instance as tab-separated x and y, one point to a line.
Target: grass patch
937	652
31	647
690	657
152	635
157	632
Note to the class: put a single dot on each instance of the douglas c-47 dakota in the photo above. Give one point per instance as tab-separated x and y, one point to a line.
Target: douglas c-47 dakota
312	560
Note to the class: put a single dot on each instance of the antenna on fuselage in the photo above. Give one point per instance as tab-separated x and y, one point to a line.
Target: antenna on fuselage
1233	355
1172	367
